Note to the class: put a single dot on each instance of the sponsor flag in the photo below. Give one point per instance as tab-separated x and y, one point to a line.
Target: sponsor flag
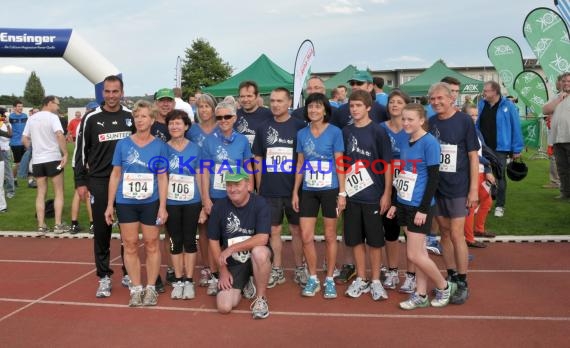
531	132
531	88
564	9
303	61
547	35
506	56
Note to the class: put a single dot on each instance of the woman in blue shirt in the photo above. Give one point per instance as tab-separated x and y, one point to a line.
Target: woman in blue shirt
140	197
197	134
320	147
184	203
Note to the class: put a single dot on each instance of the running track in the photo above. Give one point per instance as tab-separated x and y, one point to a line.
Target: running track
47	299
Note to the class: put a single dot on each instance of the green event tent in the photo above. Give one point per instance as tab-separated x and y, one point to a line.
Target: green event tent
421	84
263	71
342	77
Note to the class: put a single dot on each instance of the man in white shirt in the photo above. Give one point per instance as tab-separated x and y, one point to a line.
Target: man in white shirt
180	104
48	159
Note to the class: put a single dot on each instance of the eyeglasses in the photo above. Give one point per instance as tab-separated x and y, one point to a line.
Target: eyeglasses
224	117
356	83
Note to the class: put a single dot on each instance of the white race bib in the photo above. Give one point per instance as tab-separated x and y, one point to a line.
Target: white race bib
138	185
240	256
448	158
405	183
320	176
275	158
180	187
356	182
219	176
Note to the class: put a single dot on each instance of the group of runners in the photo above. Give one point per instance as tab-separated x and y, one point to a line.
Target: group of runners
237	173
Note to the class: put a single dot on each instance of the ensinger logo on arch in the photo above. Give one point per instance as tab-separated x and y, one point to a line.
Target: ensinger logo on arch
25	38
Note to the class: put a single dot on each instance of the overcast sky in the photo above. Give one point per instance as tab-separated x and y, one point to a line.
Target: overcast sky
144	38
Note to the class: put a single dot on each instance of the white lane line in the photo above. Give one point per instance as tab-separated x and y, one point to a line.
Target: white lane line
303	314
291	269
39	300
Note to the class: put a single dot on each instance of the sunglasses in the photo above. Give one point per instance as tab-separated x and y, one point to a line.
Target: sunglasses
224	117
356	83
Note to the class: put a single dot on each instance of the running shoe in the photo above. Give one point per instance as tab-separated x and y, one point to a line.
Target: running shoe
189	292
212	287
136	298
313	286
60	228
301	276
104	289
249	289
150	297
277	277
415	301
330	289
159	285
433	245
391	280
126	281
358	287
177	290
259	308
442	297
377	291
205	276
461	294
347	272
409	285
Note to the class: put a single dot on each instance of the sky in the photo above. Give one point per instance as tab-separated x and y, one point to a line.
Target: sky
144	38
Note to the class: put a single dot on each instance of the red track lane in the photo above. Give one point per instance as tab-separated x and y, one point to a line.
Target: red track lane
47	300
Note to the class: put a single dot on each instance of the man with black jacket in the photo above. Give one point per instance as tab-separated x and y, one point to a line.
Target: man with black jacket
98	134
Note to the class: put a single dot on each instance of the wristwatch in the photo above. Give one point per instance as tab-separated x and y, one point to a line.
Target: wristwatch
342	194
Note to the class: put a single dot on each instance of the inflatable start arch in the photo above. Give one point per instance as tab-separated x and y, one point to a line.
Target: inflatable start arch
58	43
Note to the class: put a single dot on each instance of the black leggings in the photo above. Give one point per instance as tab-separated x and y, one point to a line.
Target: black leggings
181	225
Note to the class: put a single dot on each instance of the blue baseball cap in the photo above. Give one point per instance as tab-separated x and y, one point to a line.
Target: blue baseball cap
91	105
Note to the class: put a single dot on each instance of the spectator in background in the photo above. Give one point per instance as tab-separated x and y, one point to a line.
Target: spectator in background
64	122
180	104
343	92
48	159
381	96
554	180
5	135
17	120
334	101
559	107
72	127
500	126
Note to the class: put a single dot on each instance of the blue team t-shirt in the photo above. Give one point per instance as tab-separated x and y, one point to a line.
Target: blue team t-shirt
247	123
276	142
197	135
341	117
182	170
138	185
221	155
421	154
18	123
457	137
230	224
382	99
160	131
396	139
369	144
319	167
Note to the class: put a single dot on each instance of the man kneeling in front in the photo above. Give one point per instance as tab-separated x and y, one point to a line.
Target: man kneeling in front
238	230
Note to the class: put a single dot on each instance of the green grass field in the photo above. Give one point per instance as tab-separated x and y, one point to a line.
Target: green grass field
530	209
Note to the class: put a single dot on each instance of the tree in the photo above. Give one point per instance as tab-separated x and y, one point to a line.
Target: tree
203	67
34	92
